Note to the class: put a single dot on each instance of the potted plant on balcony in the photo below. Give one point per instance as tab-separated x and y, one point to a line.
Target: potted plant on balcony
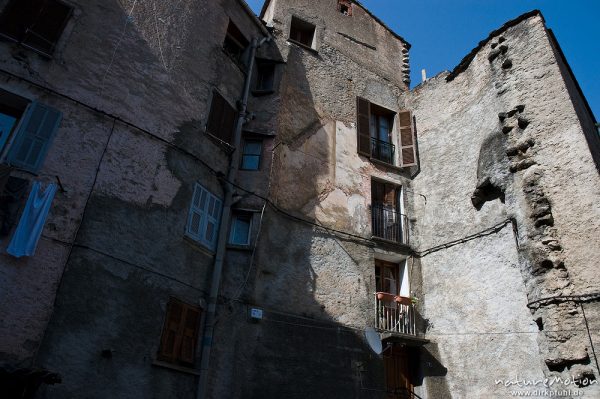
403	300
385	296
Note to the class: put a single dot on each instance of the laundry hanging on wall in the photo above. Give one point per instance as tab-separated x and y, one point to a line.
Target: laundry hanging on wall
33	218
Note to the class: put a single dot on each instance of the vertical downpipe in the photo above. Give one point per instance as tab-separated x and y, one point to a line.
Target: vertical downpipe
207	335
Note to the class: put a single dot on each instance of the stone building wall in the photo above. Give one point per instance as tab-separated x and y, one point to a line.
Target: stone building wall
497	139
315	286
134	84
495	184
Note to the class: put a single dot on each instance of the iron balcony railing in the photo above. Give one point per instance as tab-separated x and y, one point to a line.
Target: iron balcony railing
382	150
394	313
389	224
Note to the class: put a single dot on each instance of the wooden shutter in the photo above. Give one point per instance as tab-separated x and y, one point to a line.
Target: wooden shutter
180	333
363	111
189	336
216	114
228	123
390	195
408	148
222	118
172	332
34	136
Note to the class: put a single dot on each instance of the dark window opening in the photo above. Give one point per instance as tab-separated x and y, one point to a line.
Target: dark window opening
345	7
235	43
302	32
222	118
241	225
180	333
265	77
251	154
387	220
386	277
37	24
380	127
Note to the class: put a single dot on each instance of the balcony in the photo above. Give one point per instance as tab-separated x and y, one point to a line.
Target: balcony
382	151
389	224
395	314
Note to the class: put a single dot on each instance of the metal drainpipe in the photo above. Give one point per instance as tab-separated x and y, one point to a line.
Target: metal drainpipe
222	242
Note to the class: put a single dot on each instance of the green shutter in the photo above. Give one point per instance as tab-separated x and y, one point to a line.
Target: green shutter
34	136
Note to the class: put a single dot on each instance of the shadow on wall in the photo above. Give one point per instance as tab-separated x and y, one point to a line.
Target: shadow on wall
298	350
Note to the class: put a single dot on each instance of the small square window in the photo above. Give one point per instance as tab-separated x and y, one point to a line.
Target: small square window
345	7
240	229
302	32
235	42
251	155
265	76
37	24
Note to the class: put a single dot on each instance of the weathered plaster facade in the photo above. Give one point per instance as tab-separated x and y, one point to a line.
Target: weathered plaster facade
501	210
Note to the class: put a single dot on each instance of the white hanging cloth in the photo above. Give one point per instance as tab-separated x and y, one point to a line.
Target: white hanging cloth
32	221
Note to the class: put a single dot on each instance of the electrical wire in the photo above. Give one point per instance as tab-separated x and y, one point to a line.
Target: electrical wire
592	296
220	175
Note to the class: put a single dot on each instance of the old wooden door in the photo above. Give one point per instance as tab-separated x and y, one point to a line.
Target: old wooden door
398	373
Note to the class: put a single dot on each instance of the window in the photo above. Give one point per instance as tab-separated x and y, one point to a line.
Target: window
265	76
376	138
235	43
180	333
204	218
302	32
37	24
27	130
251	155
241	224
345	7
386	277
388	219
222	118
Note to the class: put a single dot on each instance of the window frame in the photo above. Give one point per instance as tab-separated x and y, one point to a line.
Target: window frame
384	205
238	215
403	137
347	4
200	205
245	141
299	25
261	67
234	38
24	34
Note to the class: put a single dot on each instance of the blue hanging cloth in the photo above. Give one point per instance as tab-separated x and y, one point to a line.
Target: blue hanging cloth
32	221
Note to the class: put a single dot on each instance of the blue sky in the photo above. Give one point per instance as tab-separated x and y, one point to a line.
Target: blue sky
442	32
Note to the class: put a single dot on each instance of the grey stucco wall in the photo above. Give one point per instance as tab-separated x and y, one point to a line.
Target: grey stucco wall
509	126
134	84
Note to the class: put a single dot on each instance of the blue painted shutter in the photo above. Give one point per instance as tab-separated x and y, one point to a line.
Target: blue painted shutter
211	229
37	128
204	217
197	216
